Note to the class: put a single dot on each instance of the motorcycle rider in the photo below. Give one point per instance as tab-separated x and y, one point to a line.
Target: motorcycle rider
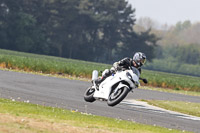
137	61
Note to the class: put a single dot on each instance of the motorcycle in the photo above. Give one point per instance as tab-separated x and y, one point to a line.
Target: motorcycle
115	87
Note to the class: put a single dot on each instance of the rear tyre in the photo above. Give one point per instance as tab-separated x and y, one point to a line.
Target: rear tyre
117	97
88	96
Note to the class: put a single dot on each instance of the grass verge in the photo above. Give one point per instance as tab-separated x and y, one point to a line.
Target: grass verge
191	93
172	81
178	106
26	117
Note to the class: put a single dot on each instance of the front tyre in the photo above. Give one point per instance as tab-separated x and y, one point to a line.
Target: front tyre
88	96
117	97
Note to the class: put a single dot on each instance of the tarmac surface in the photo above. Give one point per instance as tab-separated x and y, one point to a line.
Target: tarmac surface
68	94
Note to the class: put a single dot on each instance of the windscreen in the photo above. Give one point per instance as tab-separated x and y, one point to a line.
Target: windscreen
136	71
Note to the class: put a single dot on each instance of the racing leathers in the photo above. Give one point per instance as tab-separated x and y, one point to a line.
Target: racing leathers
123	64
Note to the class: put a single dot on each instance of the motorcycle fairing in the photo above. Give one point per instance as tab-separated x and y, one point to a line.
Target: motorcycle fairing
106	86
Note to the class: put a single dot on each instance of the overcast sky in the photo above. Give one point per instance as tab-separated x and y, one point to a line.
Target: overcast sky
168	11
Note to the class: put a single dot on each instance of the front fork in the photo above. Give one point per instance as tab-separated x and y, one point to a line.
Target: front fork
94	84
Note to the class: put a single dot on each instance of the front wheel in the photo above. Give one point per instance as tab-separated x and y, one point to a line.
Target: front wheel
117	97
88	96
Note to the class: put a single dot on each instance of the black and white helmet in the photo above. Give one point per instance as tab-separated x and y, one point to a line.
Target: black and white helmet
139	58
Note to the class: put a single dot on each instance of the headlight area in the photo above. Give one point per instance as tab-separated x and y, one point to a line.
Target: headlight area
129	75
137	84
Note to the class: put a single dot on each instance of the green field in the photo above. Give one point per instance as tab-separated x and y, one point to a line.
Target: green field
178	106
29	118
55	65
48	64
173	81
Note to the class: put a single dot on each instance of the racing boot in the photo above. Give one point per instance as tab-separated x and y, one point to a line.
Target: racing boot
99	80
105	74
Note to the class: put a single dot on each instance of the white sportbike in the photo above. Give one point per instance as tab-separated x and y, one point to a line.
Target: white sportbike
114	88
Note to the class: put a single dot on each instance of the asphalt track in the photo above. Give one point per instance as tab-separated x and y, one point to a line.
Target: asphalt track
65	93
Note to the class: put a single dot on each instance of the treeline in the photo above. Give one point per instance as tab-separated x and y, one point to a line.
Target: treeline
188	54
183	33
178	49
180	41
184	59
93	30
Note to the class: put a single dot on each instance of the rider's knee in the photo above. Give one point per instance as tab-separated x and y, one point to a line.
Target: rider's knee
106	73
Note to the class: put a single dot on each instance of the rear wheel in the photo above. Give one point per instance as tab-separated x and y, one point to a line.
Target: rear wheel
117	96
88	96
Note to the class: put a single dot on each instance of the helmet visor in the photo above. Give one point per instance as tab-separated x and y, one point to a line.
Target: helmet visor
143	61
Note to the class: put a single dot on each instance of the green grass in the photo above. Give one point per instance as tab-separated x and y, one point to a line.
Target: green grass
191	93
78	68
48	64
55	116
173	81
178	106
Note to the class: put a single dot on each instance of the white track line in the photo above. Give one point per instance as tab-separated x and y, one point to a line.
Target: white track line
144	105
